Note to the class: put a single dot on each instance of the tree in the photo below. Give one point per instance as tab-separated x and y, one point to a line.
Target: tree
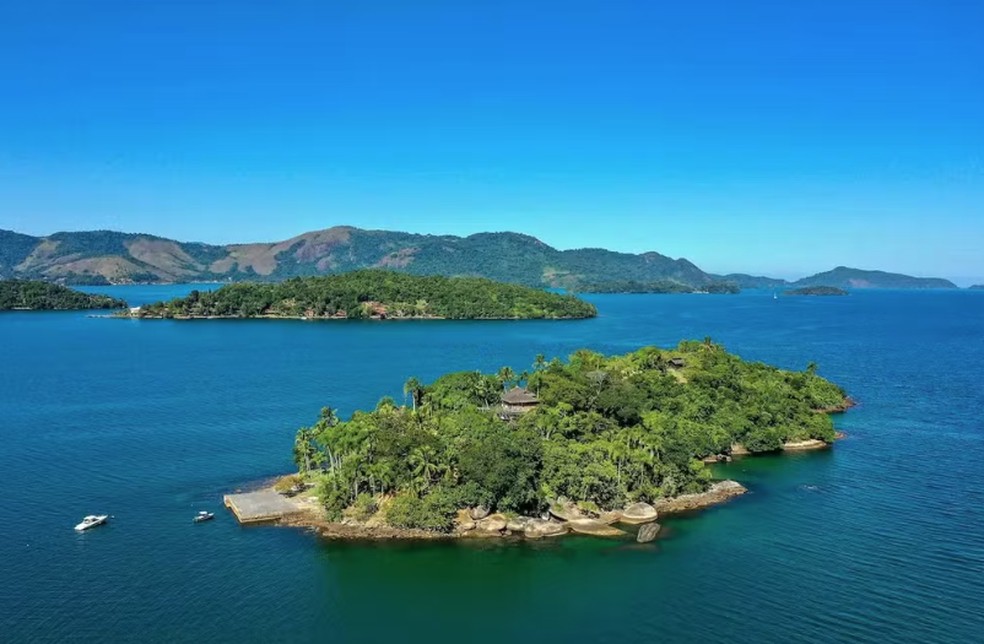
414	390
506	376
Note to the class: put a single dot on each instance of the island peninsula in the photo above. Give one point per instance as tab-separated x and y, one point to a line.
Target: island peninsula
578	445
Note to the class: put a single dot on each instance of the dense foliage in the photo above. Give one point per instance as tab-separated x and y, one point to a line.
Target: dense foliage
376	293
25	295
607	431
661	287
817	290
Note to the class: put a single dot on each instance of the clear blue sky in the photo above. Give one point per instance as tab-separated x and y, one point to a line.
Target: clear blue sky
771	137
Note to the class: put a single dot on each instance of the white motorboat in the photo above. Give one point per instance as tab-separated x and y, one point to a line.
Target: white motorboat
203	516
92	521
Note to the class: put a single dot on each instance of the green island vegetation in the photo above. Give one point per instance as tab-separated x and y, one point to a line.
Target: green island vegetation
661	287
374	294
22	295
817	290
599	431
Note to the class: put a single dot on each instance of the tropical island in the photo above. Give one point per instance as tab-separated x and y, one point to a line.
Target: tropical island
662	287
822	291
25	295
576	445
373	294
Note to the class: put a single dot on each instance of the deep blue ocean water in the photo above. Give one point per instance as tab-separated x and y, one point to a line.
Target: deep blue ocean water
880	539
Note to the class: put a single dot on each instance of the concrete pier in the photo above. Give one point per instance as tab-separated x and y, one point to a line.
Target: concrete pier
259	506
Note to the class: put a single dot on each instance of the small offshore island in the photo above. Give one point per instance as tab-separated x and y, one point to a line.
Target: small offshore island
818	291
372	294
32	295
575	446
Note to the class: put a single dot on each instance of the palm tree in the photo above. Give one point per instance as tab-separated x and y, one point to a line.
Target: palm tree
539	362
303	449
506	375
412	388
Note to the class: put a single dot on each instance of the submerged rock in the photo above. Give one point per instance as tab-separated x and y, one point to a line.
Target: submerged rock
639	513
594	527
648	532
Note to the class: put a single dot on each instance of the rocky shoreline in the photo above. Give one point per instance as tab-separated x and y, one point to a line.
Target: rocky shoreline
563	517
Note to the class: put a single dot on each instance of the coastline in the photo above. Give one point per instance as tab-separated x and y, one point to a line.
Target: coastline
308	514
333	318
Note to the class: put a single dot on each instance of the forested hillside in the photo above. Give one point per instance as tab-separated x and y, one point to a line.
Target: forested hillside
374	294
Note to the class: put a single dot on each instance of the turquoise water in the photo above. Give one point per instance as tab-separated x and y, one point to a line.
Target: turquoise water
880	539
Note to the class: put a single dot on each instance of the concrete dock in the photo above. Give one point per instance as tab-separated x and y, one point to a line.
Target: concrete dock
259	506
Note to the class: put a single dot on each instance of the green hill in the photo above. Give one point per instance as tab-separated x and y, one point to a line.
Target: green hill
373	294
103	257
42	296
844	277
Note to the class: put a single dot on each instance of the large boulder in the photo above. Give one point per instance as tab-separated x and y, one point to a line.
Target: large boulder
479	512
539	528
594	527
639	513
648	532
493	523
464	521
565	509
517	524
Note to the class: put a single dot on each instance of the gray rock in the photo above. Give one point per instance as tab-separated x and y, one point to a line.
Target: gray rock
648	532
639	513
518	524
479	512
565	509
539	528
493	523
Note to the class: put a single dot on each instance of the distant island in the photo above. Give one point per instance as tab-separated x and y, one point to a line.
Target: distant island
372	294
593	441
844	277
977	287
21	295
109	257
817	290
660	287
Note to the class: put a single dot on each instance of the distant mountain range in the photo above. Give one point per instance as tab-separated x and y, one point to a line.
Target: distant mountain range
107	257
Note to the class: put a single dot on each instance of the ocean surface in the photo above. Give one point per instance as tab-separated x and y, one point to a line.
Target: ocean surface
880	539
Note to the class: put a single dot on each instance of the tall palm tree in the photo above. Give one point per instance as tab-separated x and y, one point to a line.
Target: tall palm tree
414	389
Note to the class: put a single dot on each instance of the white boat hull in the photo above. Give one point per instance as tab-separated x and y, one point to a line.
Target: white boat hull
91	522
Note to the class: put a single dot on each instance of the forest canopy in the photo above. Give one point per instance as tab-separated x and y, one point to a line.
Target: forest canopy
42	296
603	430
375	294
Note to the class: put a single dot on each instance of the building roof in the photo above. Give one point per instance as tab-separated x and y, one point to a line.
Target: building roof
519	396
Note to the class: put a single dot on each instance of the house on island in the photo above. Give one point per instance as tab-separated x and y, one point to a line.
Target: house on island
517	401
677	363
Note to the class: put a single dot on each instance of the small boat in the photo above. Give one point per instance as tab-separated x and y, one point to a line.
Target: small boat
203	516
92	521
